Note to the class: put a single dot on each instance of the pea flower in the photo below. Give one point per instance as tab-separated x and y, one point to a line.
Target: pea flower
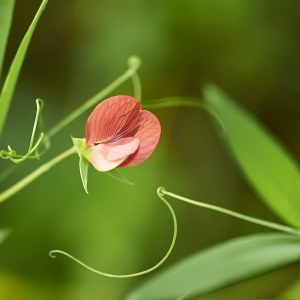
118	134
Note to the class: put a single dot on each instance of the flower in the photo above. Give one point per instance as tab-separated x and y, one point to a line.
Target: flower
120	134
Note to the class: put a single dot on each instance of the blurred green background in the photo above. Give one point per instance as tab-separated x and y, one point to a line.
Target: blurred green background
249	48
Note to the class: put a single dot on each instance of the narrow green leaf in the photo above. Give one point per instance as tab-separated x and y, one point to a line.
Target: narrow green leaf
266	164
220	266
4	234
11	79
117	175
6	11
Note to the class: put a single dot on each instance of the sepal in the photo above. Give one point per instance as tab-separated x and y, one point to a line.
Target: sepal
80	146
118	176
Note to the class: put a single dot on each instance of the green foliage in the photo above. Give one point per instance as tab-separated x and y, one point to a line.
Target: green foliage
269	168
231	45
219	266
6	10
11	79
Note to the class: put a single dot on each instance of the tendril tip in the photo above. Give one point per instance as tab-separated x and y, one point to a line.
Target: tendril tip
160	191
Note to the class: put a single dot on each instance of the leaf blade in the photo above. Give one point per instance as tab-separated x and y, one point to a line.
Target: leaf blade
11	79
220	266
269	168
6	12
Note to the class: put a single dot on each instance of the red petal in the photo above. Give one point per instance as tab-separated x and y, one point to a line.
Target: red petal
114	118
148	134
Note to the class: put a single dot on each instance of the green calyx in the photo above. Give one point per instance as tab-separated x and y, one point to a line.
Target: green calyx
83	151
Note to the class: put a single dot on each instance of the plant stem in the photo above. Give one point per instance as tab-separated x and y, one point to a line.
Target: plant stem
272	225
137	88
183	101
35	174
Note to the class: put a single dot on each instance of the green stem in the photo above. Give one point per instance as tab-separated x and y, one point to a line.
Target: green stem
137	87
53	252
272	225
134	64
182	101
31	177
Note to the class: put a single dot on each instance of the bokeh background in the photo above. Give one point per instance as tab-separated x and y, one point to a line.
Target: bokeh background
249	48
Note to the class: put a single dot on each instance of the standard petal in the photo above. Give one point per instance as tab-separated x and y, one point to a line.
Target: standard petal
119	149
117	117
149	135
99	162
